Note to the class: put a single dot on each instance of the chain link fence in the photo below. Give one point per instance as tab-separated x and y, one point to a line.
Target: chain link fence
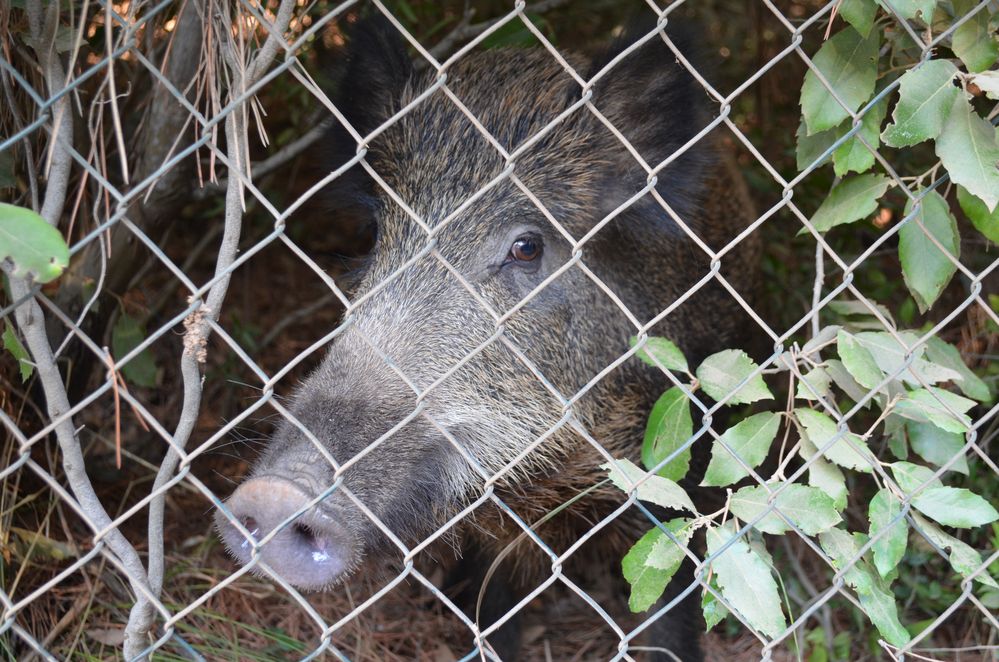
141	131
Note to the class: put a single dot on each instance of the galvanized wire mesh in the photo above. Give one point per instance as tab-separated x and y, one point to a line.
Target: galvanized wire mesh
265	45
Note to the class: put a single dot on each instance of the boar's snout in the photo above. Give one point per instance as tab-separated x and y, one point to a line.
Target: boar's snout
310	552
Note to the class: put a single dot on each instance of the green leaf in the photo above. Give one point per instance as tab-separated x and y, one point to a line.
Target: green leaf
861	309
653	561
854	155
29	246
963	558
843	549
42	546
931	406
889	548
809	508
937	446
669	428
126	335
910	8
974	41
825	336
809	148
820	429
926	269
843	379
860	14
877	602
853	199
879	605
955	506
948	356
746	582
663	350
721	373
984	221
813	385
890	355
714	611
858	360
658	490
926	97
898	444
849	63
13	345
750	440
824	475
967	147
911	477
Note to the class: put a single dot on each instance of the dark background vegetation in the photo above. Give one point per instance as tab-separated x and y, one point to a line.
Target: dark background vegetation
277	307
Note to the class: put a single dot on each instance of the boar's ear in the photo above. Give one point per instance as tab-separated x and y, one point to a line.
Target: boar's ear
370	70
375	69
658	106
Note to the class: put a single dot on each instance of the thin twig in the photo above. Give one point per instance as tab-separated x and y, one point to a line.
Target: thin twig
820	275
113	96
199	323
279	158
31	319
117	406
288	320
466	30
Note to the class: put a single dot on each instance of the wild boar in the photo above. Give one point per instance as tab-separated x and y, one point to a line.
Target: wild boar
520	243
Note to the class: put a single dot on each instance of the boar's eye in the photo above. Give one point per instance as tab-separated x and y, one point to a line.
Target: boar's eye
525	249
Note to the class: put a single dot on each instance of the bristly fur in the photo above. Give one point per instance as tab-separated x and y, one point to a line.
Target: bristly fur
421	347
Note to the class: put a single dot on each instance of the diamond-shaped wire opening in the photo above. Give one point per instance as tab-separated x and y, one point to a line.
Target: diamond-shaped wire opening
432	252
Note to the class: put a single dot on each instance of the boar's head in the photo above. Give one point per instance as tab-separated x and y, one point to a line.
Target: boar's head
518	242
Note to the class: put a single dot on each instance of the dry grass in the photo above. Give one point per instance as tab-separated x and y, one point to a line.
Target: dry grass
82	617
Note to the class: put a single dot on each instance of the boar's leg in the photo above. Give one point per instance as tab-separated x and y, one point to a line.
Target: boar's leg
677	634
465	582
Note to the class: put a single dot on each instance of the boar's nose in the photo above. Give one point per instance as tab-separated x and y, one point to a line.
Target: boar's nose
309	552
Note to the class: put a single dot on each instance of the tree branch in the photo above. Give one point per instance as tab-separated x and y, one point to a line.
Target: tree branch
198	325
466	30
165	122
279	158
31	319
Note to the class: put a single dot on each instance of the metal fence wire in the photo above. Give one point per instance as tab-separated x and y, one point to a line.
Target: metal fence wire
113	144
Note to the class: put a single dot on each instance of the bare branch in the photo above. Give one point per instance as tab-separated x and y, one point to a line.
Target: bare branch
31	319
198	325
263	58
44	34
466	30
279	158
166	122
